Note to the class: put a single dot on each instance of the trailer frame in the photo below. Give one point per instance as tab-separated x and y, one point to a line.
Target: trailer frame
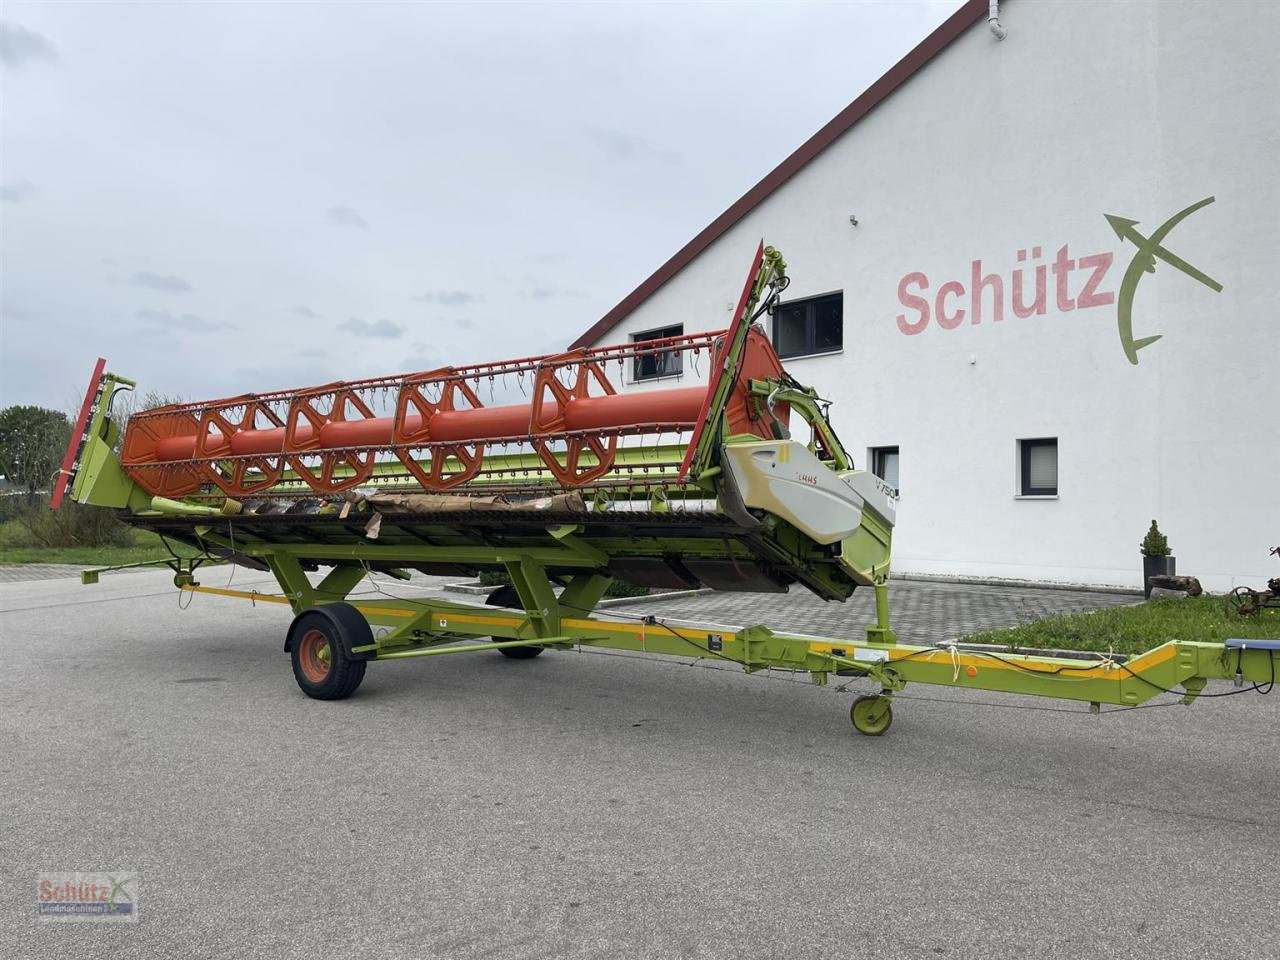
426	627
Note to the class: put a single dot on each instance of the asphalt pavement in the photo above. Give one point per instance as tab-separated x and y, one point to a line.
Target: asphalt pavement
599	805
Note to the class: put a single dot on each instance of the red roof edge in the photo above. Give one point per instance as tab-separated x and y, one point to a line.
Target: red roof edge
897	75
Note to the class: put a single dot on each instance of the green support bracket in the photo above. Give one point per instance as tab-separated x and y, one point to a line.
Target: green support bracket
881	631
183	568
1192	686
759	648
88	577
567	536
292	579
534	588
340	581
583	592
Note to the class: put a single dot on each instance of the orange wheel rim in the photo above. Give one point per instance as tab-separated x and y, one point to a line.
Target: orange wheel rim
313	656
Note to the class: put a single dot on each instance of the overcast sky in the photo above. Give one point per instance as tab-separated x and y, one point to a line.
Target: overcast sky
232	197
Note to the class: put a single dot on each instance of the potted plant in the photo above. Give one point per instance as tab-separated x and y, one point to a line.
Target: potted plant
1156	561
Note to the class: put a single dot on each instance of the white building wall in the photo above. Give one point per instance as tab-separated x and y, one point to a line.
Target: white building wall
1135	109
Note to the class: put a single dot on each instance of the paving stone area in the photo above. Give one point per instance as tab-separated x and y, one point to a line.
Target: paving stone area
922	612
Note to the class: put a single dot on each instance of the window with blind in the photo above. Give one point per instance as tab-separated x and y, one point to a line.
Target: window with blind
656	364
1039	467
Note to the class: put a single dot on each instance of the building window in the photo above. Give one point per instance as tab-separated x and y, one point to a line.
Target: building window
884	464
653	364
1038	467
803	328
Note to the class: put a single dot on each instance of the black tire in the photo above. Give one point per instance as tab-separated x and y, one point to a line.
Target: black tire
507	597
320	641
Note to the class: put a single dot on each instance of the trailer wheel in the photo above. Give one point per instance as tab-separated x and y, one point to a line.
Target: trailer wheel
507	597
319	643
871	716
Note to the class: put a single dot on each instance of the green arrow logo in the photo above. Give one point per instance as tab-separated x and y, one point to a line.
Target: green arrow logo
118	890
1150	249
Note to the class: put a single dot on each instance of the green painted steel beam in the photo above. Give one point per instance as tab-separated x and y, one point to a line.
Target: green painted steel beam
406	553
474	648
1177	664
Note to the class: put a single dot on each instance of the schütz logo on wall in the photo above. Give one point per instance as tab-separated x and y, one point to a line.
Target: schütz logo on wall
1144	261
1079	283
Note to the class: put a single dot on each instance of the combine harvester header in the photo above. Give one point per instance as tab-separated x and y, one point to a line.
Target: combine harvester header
575	485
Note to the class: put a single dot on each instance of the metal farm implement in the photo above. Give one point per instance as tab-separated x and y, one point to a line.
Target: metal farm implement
564	487
1247	602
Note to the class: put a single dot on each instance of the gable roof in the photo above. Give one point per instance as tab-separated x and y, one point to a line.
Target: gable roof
898	74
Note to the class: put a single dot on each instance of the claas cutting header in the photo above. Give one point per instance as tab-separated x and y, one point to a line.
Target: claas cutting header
564	485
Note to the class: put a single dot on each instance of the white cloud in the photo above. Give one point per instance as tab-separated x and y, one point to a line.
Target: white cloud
164	282
382	329
343	216
450	298
20	46
17	191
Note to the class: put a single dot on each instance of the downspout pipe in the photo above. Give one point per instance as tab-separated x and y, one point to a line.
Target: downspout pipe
993	20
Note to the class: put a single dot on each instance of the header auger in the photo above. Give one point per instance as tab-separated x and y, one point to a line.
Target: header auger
564	483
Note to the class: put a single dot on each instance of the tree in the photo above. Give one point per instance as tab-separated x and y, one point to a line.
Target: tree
33	441
125	405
